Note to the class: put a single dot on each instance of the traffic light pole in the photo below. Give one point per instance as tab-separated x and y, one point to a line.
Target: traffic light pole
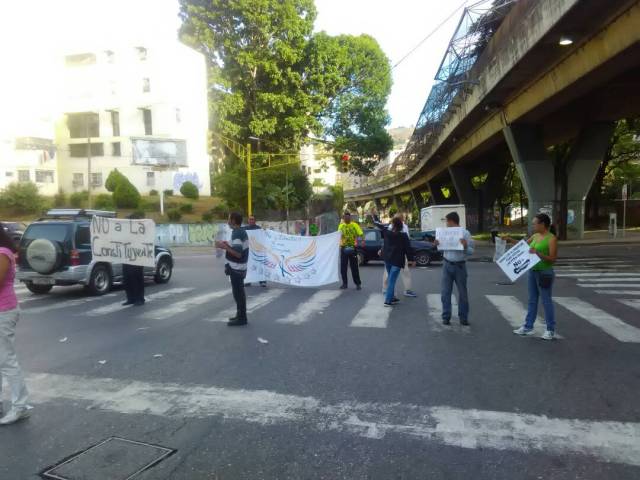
249	182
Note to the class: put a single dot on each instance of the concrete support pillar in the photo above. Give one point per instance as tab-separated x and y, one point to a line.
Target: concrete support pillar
587	153
533	165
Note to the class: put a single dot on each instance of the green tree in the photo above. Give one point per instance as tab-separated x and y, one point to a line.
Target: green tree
189	190
21	198
126	195
113	180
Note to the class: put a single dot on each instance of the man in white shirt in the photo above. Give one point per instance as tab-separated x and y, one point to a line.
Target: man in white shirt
405	273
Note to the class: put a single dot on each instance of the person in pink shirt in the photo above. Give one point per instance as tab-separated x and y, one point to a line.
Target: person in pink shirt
9	316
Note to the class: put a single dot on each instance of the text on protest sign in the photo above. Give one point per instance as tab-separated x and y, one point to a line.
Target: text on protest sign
449	238
123	241
292	259
517	261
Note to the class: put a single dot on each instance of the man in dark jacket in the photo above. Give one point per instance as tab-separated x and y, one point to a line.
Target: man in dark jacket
253	226
397	248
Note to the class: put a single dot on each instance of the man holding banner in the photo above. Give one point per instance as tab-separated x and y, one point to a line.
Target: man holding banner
457	245
133	280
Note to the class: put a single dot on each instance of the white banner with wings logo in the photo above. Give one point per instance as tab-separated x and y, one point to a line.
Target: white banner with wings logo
293	260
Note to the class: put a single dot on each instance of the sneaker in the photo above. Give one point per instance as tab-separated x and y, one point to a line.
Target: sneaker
410	293
389	304
464	323
446	321
395	301
127	303
525	332
237	323
358	287
247	284
548	335
14	415
343	286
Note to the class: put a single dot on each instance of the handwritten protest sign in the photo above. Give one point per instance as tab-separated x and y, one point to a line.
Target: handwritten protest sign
449	238
123	241
517	261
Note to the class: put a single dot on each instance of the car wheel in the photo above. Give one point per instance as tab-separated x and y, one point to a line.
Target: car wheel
38	289
423	259
100	281
164	270
362	260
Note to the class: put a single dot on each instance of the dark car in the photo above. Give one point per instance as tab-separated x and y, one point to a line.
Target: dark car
424	252
56	250
428	236
15	230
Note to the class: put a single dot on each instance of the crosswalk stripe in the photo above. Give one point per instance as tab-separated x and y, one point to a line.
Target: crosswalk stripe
593	264
253	304
526	433
319	302
67	304
631	302
184	305
626	269
591	259
618	292
609	285
613	279
374	314
595	274
117	306
606	322
434	305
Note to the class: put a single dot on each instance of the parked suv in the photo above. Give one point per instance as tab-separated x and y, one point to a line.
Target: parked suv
56	250
424	252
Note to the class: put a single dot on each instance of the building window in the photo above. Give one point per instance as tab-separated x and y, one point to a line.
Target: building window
96	179
115	123
83	125
115	149
178	115
80	60
142	53
78	179
146	85
151	179
44	176
146	116
24	176
79	150
110	56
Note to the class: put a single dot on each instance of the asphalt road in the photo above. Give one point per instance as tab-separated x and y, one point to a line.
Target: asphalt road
344	389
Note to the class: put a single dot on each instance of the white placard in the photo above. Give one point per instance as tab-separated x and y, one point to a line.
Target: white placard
517	261
449	238
123	241
293	259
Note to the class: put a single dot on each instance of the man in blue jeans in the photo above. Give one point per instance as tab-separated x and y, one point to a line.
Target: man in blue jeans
455	270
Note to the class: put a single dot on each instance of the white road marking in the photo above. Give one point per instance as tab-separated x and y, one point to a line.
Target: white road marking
253	304
609	285
319	302
184	305
631	302
515	313
434	304
117	306
608	441
618	292
590	262
373	314
596	274
610	279
66	303
606	322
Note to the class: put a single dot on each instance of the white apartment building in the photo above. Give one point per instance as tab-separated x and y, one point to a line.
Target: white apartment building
319	166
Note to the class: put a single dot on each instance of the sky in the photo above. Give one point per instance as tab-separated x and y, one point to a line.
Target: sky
398	25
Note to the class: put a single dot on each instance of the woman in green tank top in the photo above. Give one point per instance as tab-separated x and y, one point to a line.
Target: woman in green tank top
544	244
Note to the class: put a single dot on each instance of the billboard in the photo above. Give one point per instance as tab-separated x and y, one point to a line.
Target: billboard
159	152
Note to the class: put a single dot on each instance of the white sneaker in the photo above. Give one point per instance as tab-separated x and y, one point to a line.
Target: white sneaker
548	335
14	415
524	331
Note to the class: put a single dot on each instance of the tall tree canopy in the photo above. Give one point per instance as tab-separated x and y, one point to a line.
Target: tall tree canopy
271	77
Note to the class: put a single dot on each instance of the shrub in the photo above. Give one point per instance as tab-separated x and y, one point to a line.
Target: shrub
189	190
171	205
79	199
103	201
60	199
221	210
22	198
126	195
168	193
138	214
207	217
153	193
150	205
174	215
113	180
186	208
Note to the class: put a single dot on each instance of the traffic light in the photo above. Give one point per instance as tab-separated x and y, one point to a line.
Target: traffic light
345	162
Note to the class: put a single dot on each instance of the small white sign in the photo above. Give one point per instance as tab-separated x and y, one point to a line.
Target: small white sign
517	261
625	190
123	241
449	238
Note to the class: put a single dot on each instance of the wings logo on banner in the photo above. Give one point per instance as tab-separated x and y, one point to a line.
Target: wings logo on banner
293	260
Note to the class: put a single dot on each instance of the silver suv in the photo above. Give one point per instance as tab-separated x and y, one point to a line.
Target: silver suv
56	250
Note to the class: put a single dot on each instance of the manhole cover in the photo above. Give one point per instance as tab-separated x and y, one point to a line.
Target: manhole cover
112	459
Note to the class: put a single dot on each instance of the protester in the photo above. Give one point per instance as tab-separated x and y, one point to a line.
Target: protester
133	280
237	254
9	317
455	270
351	232
405	273
397	254
544	244
252	226
313	229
